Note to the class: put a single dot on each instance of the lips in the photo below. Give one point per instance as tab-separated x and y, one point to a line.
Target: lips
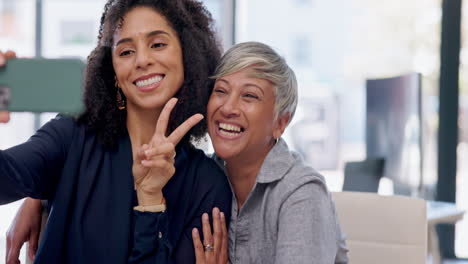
148	82
229	131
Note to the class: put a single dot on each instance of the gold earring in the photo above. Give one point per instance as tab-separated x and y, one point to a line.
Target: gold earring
120	99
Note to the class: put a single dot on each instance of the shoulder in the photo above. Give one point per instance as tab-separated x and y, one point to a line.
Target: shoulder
61	129
61	122
301	174
205	181
207	175
305	188
205	166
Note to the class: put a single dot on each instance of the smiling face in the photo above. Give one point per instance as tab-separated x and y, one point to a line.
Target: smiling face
147	59
240	115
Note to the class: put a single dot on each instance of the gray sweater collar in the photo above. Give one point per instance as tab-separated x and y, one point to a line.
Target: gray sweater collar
276	164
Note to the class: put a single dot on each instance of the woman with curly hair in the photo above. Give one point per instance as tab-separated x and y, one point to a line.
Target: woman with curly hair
123	180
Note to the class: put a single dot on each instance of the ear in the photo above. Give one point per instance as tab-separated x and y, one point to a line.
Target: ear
280	125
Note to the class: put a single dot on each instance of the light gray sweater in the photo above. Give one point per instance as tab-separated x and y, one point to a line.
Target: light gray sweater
288	217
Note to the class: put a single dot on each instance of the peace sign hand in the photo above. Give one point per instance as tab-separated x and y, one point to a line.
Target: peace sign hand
157	157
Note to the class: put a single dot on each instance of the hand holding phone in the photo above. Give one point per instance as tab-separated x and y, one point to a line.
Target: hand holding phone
4	93
4	117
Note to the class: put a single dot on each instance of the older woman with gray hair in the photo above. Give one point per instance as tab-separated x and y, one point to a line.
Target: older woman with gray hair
281	211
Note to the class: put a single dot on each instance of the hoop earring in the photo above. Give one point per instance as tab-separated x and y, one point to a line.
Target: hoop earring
120	99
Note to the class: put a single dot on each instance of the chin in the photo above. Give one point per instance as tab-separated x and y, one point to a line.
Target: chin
225	153
152	103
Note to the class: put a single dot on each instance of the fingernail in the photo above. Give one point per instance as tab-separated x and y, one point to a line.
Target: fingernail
215	210
222	215
205	216
194	231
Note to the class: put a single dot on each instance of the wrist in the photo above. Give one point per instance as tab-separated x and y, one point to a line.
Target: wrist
151	205
149	198
151	208
33	204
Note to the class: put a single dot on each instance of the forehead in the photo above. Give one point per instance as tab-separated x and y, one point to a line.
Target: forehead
141	20
245	77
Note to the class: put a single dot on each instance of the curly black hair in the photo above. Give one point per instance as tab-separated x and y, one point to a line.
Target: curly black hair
201	53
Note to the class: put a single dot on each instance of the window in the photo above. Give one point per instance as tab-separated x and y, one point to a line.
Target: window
352	41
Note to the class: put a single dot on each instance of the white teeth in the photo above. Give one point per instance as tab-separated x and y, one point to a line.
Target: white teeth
229	127
228	133
149	81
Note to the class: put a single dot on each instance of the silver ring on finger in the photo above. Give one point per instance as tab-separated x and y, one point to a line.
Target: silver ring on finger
209	248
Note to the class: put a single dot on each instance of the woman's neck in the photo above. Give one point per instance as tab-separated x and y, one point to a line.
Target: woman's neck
141	125
243	173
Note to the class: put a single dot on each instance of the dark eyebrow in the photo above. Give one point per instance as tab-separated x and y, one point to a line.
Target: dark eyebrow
148	35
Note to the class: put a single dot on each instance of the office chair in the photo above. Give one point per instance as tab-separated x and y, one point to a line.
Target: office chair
383	229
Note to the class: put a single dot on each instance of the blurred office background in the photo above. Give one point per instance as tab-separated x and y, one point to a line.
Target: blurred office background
334	46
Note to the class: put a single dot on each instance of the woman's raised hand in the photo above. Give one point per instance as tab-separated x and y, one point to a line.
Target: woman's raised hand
154	165
4	56
4	117
214	249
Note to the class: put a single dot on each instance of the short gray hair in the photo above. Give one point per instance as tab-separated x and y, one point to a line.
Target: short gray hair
268	65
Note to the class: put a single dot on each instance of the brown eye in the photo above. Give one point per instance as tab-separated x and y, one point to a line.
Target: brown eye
158	45
125	53
249	95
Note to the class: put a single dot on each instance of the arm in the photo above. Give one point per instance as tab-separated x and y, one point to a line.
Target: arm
32	169
150	238
219	197
22	167
25	228
153	167
212	191
151	242
307	227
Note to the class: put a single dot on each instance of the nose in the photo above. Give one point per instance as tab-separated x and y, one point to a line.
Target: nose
230	107
143	58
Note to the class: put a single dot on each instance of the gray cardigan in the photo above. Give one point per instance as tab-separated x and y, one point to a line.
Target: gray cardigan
288	217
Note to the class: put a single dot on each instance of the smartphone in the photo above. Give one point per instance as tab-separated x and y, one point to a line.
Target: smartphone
42	85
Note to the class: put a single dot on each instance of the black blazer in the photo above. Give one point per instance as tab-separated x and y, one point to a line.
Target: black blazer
91	191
